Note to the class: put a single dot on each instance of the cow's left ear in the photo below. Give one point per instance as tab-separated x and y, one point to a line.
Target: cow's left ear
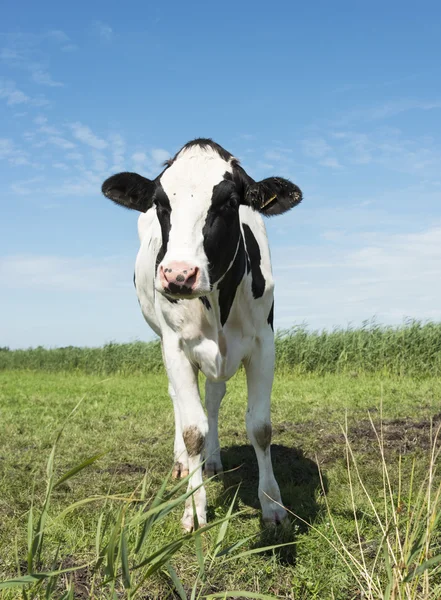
273	196
130	190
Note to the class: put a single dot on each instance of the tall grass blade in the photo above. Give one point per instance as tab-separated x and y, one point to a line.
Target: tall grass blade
125	560
78	468
176	581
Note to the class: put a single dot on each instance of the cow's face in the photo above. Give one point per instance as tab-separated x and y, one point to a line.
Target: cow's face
197	199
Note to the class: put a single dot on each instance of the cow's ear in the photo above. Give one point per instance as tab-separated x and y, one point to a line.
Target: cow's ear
130	190
273	196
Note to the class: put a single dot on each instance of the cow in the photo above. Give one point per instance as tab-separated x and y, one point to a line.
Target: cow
204	284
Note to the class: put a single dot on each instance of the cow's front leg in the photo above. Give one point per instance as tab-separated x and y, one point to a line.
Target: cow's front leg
180	469
214	392
260	373
183	378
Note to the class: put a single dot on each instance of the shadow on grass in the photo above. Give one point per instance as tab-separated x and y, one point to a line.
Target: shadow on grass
299	481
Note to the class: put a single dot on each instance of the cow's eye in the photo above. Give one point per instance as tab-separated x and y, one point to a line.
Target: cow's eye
232	203
228	204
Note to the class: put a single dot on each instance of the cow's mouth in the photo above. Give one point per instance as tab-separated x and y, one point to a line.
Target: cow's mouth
179	291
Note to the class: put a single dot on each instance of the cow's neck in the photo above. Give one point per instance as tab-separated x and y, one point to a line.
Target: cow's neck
223	295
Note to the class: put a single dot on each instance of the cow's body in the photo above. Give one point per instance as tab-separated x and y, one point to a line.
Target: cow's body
218	350
209	317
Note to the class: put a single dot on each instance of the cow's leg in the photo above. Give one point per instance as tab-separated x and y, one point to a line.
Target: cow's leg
183	378
180	469
214	392
259	369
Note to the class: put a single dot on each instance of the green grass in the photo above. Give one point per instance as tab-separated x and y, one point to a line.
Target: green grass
411	349
130	418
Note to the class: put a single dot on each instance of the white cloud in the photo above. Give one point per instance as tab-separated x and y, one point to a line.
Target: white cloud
104	31
99	163
140	161
278	155
27	187
150	163
9	91
60	142
330	161
386	110
76	156
42	77
359	145
63	273
8	54
316	147
9	151
118	147
159	156
84	134
139	157
392	276
14	96
69	48
30	53
40	120
6	147
58	36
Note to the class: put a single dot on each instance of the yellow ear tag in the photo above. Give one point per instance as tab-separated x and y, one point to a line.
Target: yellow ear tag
269	201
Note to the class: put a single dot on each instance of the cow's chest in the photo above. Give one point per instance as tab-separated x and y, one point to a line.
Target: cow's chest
220	358
217	351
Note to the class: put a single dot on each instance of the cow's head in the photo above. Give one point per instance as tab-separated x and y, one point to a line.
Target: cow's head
197	199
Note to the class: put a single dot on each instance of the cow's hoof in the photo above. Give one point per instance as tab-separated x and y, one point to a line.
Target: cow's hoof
274	516
179	471
214	469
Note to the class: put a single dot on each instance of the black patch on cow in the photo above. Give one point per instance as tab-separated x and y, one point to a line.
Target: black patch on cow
271	317
230	283
205	301
221	230
253	251
163	210
172	300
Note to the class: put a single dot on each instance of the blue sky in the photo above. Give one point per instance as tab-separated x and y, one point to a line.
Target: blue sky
343	98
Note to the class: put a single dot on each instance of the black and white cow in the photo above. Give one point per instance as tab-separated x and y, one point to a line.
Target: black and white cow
204	283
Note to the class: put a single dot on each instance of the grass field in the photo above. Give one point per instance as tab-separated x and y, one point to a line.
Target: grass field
130	418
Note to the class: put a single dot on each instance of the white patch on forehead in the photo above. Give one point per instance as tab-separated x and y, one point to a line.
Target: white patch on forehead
195	172
189	184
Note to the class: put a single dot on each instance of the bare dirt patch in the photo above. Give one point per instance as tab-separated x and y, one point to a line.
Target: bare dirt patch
402	436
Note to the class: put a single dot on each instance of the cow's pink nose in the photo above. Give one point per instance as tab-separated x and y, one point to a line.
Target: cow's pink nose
178	277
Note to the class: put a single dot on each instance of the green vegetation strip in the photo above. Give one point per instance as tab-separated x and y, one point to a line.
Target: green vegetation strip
411	349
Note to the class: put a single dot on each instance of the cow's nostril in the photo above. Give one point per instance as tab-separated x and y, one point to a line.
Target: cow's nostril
192	279
180	278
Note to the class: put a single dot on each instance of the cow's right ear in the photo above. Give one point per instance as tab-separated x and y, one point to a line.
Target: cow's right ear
130	190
